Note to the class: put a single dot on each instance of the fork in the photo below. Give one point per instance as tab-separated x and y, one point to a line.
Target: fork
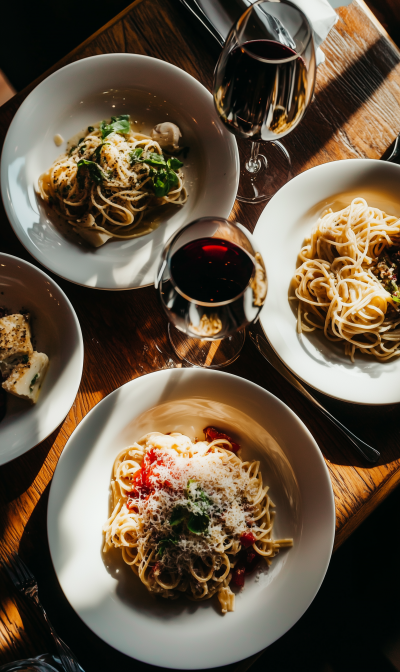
368	452
26	583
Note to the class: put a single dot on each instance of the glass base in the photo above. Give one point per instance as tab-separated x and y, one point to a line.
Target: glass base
274	170
207	354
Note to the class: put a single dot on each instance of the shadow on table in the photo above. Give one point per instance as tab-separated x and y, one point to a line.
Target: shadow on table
340	99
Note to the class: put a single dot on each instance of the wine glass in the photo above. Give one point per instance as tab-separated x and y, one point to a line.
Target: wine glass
212	283
263	82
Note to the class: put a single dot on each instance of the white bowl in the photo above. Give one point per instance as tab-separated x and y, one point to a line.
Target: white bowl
57	333
86	92
104	591
284	224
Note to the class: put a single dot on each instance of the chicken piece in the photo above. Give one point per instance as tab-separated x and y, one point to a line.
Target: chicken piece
26	378
15	336
166	134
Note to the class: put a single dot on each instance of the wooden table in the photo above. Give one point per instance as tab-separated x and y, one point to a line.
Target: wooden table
356	113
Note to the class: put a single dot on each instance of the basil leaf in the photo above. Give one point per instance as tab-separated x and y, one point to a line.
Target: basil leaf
155	160
178	515
95	172
395	298
118	125
135	155
198	524
164	543
172	178
90	129
161	183
97	151
174	163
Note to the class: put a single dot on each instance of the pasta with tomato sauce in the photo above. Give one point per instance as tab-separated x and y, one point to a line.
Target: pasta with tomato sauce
191	517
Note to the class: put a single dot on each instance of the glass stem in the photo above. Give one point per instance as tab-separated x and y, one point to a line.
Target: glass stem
253	165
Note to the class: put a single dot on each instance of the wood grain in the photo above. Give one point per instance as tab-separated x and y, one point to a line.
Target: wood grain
356	113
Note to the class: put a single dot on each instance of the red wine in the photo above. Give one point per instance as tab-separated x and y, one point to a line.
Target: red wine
256	98
211	270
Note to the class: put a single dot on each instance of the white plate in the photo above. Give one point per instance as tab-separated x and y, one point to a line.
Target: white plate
57	333
83	93
284	224
107	595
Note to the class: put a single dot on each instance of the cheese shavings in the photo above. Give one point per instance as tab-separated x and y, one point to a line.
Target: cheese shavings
190	517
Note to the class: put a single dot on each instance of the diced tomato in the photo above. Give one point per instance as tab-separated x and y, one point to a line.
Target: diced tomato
157	568
212	434
238	576
247	539
252	560
145	480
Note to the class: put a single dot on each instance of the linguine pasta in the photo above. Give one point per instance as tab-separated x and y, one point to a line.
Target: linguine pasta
346	283
104	185
190	517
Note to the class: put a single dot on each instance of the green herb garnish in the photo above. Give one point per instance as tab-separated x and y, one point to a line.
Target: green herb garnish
195	511
164	543
90	129
119	124
163	181
25	359
174	163
155	159
33	381
178	515
135	155
198	523
94	171
97	151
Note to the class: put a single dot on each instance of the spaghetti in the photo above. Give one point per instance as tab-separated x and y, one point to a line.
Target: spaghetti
105	184
346	283
190	517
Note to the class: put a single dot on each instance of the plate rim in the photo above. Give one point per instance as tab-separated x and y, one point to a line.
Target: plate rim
263	315
61	416
331	513
6	199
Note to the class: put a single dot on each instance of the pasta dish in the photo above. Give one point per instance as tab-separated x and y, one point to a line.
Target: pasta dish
190	517
104	185
347	281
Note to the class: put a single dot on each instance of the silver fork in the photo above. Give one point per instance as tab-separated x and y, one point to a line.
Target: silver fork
26	583
368	452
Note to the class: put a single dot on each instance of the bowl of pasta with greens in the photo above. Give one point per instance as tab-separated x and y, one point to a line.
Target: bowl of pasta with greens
191	506
106	159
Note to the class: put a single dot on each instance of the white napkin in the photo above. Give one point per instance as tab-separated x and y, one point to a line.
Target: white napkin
320	14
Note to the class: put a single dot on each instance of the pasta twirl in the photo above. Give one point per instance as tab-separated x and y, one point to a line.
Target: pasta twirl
189	516
346	284
104	185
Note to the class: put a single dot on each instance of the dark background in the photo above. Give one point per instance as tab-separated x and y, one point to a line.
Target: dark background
35	35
